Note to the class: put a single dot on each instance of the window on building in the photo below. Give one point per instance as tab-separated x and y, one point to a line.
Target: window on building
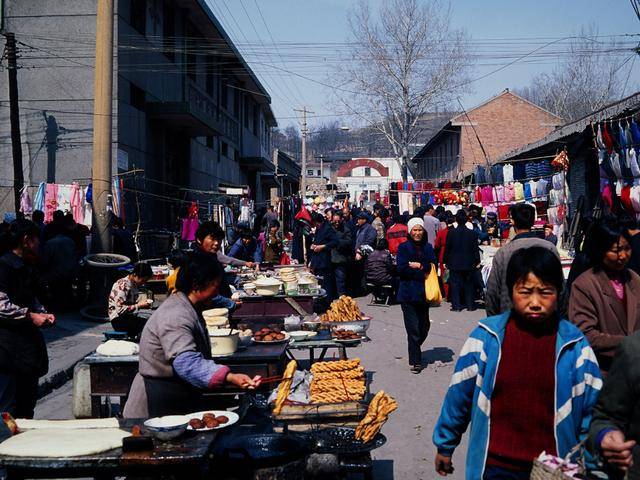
310	173
236	102
224	94
139	16
247	110
169	30
137	97
319	173
210	142
367	171
224	149
209	77
256	119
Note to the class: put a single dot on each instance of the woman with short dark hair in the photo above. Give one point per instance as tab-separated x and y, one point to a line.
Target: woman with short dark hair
605	300
176	366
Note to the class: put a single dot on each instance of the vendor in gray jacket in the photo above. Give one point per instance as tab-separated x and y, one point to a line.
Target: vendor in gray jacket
175	353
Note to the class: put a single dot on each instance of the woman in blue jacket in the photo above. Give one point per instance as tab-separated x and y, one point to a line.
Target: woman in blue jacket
414	259
526	380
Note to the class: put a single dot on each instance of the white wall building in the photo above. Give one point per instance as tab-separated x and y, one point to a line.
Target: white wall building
363	178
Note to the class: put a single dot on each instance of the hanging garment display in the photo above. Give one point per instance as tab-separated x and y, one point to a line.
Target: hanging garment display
64	198
38	201
77	207
405	202
518	191
507	173
561	161
26	207
190	223
50	201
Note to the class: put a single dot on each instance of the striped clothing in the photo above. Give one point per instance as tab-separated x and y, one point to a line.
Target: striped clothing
468	400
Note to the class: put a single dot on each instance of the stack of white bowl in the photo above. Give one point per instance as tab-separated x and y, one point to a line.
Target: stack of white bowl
216	318
290	279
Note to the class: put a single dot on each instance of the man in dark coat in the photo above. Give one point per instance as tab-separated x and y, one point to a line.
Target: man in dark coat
366	234
324	241
342	255
462	256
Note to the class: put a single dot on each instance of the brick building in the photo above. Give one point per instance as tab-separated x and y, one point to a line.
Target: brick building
584	176
502	123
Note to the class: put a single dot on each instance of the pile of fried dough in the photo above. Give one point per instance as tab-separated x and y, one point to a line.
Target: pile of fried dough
344	309
338	381
377	414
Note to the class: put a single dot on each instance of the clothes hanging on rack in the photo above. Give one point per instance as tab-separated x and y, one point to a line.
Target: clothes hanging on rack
50	201
38	201
26	206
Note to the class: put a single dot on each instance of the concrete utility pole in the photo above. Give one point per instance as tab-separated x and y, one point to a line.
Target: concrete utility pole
14	118
102	122
305	132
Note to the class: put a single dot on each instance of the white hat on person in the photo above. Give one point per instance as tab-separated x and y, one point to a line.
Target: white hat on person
415	222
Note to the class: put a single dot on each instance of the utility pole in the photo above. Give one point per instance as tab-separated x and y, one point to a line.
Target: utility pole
102	122
14	118
305	132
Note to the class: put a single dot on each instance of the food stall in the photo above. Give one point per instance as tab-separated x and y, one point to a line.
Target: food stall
275	294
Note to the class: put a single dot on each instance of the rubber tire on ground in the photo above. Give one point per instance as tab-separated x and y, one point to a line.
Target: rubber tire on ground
95	313
121	260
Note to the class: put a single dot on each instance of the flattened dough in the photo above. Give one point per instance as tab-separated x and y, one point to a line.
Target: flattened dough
62	443
28	424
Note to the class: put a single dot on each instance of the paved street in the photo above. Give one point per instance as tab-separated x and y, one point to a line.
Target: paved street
409	452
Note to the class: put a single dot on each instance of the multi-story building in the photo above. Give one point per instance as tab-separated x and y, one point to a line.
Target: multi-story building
501	124
188	112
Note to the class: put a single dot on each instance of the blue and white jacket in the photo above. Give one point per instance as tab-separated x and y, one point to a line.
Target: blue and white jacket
468	399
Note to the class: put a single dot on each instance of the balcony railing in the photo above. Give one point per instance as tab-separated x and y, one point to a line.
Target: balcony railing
200	103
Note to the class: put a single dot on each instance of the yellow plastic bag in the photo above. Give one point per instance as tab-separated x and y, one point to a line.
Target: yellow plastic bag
432	287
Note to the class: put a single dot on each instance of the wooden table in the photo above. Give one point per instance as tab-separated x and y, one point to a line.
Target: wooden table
112	376
261	309
186	457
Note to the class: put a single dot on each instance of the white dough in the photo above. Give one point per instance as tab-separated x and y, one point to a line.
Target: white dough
117	348
28	424
62	443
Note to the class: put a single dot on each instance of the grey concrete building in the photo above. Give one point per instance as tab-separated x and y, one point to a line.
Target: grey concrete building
189	114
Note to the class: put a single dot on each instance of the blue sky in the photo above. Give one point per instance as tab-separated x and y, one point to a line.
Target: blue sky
299	26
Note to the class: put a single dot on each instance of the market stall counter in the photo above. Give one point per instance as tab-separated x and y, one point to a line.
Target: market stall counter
111	376
186	457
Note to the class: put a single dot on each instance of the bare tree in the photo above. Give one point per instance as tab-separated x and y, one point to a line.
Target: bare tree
588	77
404	61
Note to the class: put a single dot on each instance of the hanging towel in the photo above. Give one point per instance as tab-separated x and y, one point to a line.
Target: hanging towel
88	208
38	202
26	207
50	201
77	207
64	198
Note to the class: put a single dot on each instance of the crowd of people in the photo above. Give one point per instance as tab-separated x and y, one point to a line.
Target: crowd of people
552	365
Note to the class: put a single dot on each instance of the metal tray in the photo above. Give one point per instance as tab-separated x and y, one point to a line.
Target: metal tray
341	441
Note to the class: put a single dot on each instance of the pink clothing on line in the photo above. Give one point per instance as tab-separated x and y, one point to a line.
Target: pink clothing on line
77	209
50	201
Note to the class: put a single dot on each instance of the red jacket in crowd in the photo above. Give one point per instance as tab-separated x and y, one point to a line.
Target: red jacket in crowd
396	236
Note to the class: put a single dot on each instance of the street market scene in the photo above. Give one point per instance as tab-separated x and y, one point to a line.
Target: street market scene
265	239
